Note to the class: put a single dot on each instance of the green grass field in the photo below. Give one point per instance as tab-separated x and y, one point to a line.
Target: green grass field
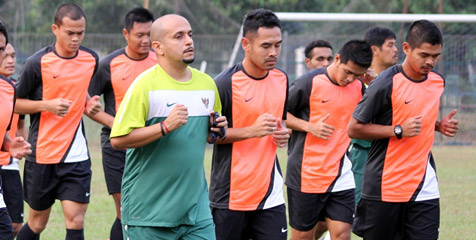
456	171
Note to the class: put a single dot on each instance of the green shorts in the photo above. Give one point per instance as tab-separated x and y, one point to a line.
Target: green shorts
201	230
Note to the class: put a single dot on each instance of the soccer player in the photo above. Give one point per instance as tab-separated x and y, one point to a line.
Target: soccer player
318	54
164	121
319	179
114	76
400	196
17	147
246	192
385	55
10	172
52	88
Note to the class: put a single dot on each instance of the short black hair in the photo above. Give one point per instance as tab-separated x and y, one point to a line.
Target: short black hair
357	51
69	10
3	30
316	43
260	18
377	36
423	31
139	15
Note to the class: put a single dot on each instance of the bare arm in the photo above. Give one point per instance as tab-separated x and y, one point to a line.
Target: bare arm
263	126
102	118
21	130
319	129
142	136
371	131
57	106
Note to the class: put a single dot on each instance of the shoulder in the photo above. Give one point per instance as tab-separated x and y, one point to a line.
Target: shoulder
385	78
89	51
228	73
108	58
35	59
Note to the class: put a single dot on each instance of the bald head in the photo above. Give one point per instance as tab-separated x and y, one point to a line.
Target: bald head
166	24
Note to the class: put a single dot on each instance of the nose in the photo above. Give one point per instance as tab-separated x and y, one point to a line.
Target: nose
188	40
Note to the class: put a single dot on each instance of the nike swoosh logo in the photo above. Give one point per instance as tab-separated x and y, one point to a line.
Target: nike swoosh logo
284	230
249	99
407	102
55	76
324	101
170	104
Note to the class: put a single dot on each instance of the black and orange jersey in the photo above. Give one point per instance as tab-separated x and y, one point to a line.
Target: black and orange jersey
316	165
5	157
246	175
114	76
47	76
7	97
401	170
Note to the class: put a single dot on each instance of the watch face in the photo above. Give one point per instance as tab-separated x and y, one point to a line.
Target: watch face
398	130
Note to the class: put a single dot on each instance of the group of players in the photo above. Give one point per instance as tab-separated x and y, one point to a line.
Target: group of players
164	113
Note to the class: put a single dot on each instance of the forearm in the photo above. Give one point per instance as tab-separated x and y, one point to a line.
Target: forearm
102	118
295	123
138	137
369	131
26	106
236	134
437	126
6	143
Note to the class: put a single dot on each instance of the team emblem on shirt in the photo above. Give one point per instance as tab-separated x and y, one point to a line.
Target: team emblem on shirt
205	102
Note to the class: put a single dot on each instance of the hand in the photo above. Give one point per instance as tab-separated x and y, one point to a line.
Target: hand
19	148
93	105
58	106
412	127
448	125
177	117
264	125
221	122
368	76
281	135
321	129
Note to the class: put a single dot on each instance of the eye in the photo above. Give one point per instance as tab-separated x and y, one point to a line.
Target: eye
329	59
320	59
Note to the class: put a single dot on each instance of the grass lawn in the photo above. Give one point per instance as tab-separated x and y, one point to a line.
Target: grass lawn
456	166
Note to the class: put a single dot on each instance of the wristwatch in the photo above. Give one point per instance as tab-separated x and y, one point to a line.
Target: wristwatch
398	131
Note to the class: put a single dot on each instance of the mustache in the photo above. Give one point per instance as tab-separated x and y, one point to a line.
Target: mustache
270	59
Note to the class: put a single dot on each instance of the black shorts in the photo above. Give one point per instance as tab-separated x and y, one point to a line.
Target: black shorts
43	183
6	229
306	209
408	220
113	164
243	225
13	194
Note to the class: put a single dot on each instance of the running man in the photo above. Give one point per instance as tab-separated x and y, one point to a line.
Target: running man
53	88
164	121
385	55
319	177
114	76
246	186
318	54
400	196
10	171
17	146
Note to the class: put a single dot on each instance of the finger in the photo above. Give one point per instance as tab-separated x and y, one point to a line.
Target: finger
330	127
95	98
325	117
418	117
452	113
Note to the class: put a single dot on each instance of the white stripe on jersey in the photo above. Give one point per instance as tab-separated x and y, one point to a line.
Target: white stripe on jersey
346	179
430	185
276	197
78	151
198	102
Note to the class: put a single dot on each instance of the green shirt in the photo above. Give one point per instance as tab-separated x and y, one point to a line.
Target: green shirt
164	181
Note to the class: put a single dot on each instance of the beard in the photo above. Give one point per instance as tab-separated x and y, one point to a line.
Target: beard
188	61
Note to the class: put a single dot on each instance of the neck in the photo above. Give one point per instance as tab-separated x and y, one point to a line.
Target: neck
331	72
63	52
410	72
378	67
134	55
253	70
177	71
